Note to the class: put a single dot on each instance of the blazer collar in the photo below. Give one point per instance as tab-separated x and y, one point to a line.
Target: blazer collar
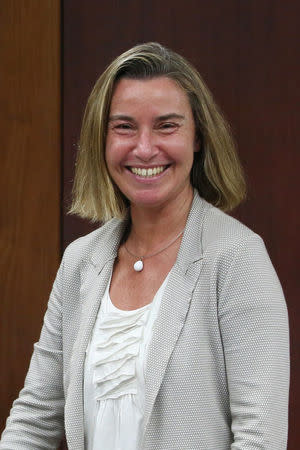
113	232
191	248
175	304
188	252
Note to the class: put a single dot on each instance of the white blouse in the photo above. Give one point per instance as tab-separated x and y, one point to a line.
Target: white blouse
114	387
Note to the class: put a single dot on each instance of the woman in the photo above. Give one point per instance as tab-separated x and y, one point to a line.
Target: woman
166	327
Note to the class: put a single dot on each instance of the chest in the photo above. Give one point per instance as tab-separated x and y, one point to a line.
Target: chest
130	289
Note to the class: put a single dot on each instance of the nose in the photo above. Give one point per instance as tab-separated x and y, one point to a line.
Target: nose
145	148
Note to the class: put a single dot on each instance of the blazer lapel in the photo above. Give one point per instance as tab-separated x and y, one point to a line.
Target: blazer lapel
175	304
170	320
95	276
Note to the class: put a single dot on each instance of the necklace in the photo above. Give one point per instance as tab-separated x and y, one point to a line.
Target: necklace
139	265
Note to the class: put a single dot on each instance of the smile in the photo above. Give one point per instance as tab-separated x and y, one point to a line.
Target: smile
147	173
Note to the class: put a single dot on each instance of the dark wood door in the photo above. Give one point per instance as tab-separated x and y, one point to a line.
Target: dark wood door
30	180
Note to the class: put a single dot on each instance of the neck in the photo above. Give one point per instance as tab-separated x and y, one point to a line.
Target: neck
153	226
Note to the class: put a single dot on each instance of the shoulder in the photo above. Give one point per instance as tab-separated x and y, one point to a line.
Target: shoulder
83	248
222	231
236	255
215	230
234	249
221	238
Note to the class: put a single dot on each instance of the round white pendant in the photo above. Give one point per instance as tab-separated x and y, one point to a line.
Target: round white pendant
138	266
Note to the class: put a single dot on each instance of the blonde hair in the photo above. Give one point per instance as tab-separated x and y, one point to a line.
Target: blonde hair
216	172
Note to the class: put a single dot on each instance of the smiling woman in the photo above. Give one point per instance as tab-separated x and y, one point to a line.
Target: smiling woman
151	141
216	172
166	327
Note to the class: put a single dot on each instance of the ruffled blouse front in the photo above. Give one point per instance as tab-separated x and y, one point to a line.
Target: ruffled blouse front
114	375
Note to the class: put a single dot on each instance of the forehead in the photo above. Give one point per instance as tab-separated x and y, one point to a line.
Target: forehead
160	92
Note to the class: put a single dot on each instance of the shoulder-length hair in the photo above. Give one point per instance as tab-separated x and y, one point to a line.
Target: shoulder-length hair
216	172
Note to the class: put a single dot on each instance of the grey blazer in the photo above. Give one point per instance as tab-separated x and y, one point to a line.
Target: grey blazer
218	364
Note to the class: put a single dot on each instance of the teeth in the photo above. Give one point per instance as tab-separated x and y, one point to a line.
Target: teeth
147	172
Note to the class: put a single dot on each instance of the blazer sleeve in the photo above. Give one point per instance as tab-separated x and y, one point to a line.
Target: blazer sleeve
254	328
36	418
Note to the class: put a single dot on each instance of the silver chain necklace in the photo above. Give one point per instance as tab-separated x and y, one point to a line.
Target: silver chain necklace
139	265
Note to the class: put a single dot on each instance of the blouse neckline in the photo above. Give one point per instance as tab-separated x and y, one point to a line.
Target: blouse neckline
114	308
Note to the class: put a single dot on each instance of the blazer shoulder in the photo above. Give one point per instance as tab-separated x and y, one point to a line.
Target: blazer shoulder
83	247
222	231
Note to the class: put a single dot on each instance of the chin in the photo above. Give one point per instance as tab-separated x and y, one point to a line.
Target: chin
146	202
150	199
162	196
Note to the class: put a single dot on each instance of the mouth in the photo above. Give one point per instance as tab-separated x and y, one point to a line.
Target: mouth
147	173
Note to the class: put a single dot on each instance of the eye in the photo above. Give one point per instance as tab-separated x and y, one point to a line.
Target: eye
123	127
168	127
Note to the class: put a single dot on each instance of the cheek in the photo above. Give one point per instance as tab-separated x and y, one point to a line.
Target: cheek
111	163
114	150
107	158
183	152
111	153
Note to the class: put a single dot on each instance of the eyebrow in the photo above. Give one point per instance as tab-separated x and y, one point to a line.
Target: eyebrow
120	117
171	116
131	119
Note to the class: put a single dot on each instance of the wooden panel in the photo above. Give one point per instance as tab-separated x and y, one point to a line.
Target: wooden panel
30	179
267	132
248	53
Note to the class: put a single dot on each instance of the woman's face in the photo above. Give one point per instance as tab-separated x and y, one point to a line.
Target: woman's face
151	141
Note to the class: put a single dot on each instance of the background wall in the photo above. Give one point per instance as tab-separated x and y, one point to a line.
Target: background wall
30	115
248	53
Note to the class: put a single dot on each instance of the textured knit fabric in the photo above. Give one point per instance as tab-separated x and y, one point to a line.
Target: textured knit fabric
217	370
114	384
